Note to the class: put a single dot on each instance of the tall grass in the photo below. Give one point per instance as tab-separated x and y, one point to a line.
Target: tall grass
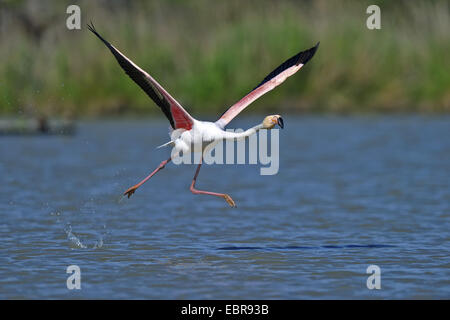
209	54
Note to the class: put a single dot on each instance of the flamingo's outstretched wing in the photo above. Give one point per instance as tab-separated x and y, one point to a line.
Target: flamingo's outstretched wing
178	117
275	78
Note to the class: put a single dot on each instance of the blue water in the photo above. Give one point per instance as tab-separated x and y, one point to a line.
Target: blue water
351	192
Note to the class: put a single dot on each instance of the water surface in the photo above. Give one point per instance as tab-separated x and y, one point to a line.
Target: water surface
351	192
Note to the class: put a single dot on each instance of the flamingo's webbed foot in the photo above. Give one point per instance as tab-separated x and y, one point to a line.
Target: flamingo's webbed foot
130	191
229	200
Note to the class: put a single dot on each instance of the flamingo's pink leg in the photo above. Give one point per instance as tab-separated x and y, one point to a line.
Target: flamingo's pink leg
195	191
131	190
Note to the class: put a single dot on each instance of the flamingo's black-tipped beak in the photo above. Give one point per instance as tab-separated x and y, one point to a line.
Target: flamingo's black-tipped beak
280	122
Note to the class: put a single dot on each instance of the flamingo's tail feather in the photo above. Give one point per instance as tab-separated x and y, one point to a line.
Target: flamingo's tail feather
166	144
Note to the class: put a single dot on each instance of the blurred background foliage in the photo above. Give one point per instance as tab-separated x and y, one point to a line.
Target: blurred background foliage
209	54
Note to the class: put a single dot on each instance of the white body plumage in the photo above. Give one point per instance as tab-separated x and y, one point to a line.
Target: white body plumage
205	135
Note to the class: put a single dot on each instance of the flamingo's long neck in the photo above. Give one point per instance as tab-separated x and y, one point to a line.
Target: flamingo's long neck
242	135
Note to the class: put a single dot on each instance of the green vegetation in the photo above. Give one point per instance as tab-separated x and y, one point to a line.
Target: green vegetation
208	54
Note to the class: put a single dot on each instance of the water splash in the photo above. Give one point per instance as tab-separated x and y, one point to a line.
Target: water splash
74	241
98	244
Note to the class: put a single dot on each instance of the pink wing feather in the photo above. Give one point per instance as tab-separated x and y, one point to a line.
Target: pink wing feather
175	113
274	79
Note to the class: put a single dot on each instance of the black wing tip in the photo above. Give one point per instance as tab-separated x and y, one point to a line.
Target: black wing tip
305	56
300	58
91	28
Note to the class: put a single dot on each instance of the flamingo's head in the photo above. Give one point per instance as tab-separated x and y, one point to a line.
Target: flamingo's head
270	121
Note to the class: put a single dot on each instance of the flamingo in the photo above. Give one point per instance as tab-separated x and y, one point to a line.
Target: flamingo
193	134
